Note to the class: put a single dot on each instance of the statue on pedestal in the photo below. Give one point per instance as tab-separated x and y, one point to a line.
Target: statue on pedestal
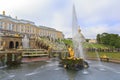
2	48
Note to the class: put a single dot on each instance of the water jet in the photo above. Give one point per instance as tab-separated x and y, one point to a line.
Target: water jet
76	58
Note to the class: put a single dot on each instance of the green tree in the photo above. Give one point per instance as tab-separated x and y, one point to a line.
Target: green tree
109	39
104	38
98	38
117	44
87	40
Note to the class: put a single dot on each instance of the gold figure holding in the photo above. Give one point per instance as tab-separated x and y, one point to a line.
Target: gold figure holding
71	52
3	46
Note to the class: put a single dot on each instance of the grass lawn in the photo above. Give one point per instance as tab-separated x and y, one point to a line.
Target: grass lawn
68	42
95	45
111	55
87	45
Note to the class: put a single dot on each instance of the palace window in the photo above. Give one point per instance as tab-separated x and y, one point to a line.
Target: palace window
17	28
10	26
22	28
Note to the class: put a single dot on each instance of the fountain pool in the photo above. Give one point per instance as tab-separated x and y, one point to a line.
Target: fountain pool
50	70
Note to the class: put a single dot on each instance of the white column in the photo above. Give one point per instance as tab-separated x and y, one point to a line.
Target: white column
13	57
5	58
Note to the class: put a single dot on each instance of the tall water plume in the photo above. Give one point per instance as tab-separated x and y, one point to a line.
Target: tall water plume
77	37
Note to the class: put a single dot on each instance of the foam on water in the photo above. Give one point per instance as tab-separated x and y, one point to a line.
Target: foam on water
85	72
57	68
29	74
11	76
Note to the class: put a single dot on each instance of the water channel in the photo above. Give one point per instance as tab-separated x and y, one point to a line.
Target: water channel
50	70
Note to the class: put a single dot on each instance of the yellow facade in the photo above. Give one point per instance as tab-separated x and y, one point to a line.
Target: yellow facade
92	41
20	26
60	35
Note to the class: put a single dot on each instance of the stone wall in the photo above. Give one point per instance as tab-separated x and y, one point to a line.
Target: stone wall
11	42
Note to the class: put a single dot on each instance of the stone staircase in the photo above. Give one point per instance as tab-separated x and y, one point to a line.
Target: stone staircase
40	43
55	45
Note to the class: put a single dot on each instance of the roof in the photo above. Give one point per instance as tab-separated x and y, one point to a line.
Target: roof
44	27
15	20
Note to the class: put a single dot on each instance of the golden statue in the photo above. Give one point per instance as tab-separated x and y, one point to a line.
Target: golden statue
71	52
3	46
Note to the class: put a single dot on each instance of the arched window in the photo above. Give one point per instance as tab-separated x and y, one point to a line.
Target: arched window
16	44
11	44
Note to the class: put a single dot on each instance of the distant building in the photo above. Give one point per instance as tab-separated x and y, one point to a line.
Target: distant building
92	41
51	32
18	27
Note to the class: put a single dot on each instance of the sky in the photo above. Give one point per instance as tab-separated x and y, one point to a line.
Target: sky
94	16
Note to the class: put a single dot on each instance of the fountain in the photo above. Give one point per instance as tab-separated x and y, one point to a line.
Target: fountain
76	59
32	54
25	42
78	41
77	37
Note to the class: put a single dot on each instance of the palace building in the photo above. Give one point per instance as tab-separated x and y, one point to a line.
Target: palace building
12	30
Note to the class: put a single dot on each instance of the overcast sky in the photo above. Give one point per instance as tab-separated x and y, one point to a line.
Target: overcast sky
94	16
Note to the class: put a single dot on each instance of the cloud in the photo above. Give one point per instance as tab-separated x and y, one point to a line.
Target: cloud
92	11
92	31
98	16
94	16
62	23
26	9
115	29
